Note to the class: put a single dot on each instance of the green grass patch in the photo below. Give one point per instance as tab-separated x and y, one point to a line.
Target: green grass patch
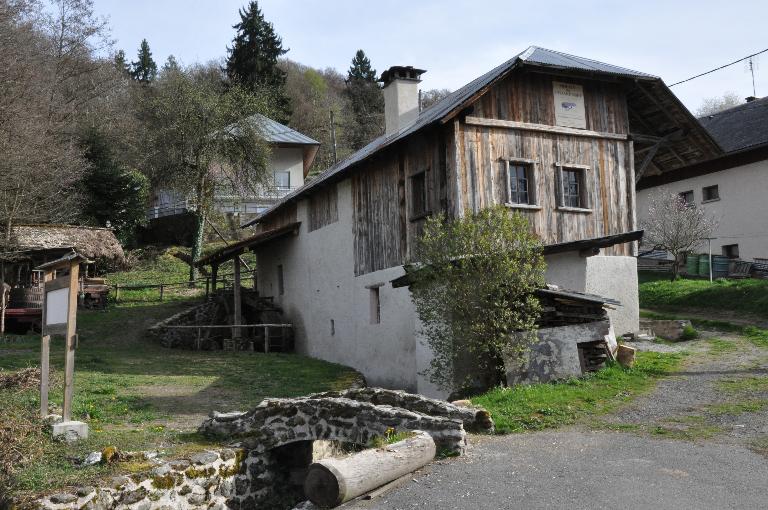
745	295
744	385
735	409
539	406
718	346
757	336
136	395
689	433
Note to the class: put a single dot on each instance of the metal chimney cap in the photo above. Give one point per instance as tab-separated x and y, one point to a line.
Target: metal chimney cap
401	73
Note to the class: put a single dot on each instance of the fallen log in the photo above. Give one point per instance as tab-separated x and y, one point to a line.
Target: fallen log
331	482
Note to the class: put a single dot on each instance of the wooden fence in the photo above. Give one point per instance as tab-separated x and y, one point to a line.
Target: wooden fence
222	279
266	328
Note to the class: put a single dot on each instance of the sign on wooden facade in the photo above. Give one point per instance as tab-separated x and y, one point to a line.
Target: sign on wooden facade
569	105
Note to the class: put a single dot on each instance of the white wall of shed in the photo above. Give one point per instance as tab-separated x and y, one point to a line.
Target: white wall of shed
613	277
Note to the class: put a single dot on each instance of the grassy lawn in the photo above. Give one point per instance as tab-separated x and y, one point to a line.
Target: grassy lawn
548	405
743	296
136	395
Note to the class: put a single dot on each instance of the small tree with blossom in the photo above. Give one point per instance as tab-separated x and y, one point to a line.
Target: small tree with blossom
675	226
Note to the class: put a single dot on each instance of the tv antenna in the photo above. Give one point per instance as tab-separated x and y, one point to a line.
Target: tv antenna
751	66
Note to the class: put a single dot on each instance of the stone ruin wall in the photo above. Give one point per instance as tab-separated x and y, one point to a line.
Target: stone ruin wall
183	338
274	447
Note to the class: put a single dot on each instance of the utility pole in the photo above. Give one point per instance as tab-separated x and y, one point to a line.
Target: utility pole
333	136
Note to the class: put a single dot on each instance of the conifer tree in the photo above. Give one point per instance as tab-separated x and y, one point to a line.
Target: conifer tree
367	101
145	68
121	64
252	59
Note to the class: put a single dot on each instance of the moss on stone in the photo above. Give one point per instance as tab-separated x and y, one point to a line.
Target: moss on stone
199	473
164	482
229	470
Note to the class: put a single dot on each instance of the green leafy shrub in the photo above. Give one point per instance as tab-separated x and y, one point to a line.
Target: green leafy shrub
689	333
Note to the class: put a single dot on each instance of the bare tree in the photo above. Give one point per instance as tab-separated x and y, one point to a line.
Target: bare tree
712	105
432	96
675	226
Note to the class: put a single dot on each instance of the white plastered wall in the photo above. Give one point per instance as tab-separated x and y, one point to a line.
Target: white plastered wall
613	277
742	210
288	159
320	287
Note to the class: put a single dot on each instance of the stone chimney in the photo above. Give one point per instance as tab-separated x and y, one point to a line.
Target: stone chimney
401	96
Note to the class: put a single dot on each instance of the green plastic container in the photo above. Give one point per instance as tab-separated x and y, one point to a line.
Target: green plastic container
720	266
692	263
704	265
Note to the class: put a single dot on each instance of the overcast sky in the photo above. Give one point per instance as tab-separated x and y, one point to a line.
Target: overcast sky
456	41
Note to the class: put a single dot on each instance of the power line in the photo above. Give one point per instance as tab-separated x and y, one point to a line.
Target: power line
718	68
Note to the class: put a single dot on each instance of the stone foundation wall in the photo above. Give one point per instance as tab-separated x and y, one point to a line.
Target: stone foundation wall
266	467
183	338
204	480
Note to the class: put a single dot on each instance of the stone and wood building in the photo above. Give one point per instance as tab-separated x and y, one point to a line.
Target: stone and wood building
558	138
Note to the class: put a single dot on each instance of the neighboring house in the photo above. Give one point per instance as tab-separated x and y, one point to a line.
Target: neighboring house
732	187
550	135
292	156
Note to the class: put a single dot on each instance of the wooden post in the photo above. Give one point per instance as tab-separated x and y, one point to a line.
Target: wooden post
117	293
237	319
199	338
69	360
45	358
214	273
161	291
266	338
207	287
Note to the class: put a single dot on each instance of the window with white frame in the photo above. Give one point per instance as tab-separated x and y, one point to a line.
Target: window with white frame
573	187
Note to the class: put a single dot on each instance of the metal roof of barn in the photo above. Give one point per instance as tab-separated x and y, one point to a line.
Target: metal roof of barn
454	103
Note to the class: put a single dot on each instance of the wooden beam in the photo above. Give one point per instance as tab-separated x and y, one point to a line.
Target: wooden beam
646	161
542	128
237	320
45	358
69	350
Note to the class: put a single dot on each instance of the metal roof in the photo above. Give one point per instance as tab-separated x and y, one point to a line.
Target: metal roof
532	56
275	132
739	127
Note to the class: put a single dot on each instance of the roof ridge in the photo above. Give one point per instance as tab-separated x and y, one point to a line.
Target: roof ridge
761	102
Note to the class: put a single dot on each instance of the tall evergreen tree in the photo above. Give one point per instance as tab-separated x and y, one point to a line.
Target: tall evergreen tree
367	101
145	68
121	64
252	59
115	196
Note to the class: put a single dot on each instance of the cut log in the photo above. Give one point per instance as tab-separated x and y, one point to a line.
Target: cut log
625	355
331	482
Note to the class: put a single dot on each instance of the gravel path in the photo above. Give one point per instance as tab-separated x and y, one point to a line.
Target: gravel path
698	441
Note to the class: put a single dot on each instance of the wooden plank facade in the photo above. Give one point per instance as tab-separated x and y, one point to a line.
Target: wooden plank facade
462	167
323	208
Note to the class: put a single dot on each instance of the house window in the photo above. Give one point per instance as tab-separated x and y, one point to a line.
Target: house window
375	306
419	199
280	283
710	193
731	251
687	197
519	184
573	189
283	180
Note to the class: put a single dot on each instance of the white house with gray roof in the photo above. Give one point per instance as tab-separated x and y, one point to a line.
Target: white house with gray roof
732	188
292	155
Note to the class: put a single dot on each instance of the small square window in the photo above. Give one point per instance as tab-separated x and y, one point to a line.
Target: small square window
687	197
573	188
283	180
519	180
731	251
419	198
710	193
375	306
